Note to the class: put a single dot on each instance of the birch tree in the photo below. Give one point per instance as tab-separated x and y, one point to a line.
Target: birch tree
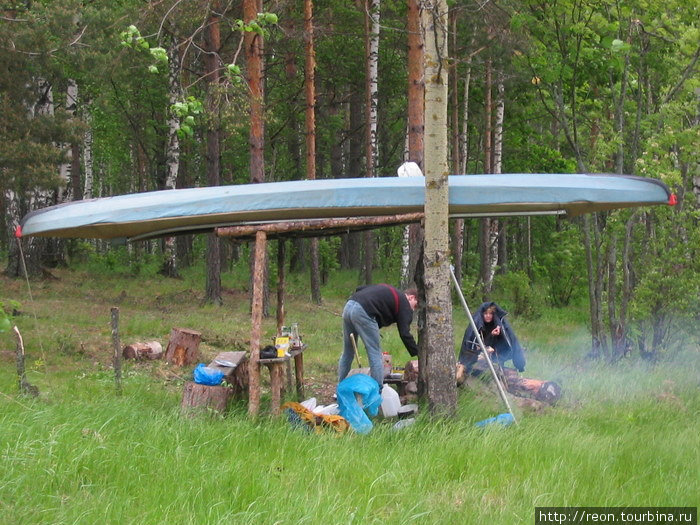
372	61
436	344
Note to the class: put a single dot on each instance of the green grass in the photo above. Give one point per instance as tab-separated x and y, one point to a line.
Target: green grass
622	435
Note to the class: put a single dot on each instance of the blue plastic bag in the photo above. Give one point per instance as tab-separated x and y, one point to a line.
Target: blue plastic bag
501	419
204	375
348	405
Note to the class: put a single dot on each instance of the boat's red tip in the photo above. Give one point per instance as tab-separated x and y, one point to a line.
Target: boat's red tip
18	232
672	200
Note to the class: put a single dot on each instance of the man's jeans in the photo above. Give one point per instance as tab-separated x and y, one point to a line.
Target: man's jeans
356	321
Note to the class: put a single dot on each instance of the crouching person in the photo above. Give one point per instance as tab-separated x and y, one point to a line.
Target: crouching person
497	335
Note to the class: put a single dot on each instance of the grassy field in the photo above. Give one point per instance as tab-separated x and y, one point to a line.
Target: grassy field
623	435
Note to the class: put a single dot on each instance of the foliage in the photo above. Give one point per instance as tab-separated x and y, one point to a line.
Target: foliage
564	266
521	297
6	310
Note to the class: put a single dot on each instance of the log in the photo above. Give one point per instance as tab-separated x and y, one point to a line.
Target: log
183	347
547	392
196	396
317	227
256	324
150	350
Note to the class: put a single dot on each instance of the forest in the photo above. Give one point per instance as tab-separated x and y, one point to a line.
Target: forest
101	99
104	98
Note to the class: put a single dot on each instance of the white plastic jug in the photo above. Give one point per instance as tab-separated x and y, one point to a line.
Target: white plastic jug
390	402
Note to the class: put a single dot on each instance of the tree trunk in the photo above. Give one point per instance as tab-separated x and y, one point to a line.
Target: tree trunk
172	154
87	156
371	98
259	255
202	397
486	248
183	347
253	43
413	234
438	346
594	298
211	60
309	84
67	189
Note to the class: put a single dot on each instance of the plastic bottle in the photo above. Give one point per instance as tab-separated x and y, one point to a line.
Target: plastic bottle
390	402
386	359
403	423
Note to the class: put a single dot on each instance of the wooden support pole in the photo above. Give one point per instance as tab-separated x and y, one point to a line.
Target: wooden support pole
319	226
24	386
117	358
281	256
256	330
299	374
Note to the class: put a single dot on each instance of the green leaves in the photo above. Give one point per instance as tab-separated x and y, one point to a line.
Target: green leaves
132	39
233	73
186	112
5	317
5	324
259	25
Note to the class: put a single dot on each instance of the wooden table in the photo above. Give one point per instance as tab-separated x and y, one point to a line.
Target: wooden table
275	366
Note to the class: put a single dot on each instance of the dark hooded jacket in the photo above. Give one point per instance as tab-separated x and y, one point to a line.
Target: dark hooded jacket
506	344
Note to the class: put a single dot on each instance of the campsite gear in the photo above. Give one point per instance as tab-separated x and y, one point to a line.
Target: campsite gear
156	213
501	391
407	411
500	419
386	359
309	404
282	346
269	352
328	410
355	410
299	415
204	375
390	402
354	347
403	423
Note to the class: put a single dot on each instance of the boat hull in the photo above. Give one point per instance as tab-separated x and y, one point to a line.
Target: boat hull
151	214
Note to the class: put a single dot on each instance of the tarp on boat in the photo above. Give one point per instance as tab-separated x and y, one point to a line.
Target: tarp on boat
150	214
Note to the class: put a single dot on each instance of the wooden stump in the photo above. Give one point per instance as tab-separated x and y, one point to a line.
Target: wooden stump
183	347
150	350
196	396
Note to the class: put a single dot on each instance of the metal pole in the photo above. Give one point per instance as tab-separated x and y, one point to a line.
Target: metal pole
501	391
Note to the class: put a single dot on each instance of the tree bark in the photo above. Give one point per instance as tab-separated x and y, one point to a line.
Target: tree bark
371	98
196	396
253	43
416	127
172	154
309	84
211	60
438	346
183	347
256	321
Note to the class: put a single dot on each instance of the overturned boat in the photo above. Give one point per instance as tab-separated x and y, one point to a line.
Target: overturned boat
170	212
